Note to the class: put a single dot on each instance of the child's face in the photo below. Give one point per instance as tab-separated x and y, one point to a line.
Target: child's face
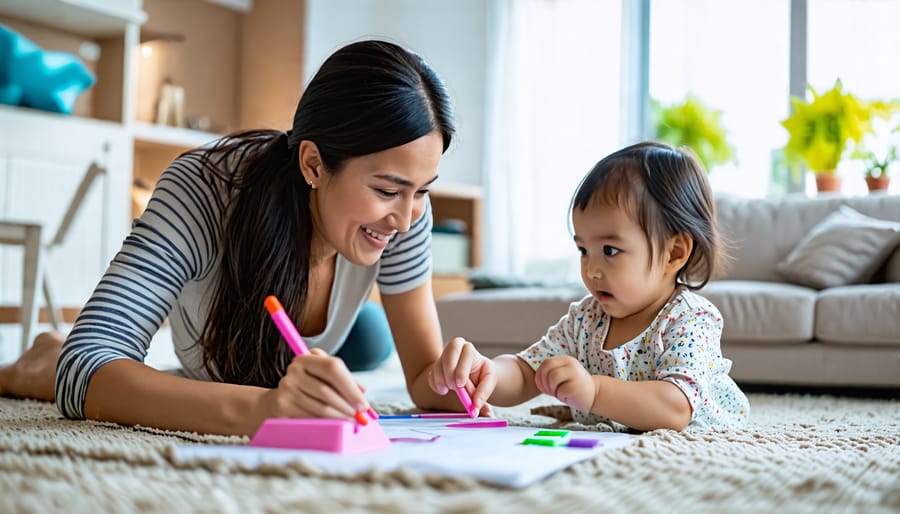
616	262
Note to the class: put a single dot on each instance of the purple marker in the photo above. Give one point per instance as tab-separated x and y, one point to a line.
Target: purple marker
582	443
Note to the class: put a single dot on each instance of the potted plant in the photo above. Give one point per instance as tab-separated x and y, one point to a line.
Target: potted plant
876	169
821	129
693	124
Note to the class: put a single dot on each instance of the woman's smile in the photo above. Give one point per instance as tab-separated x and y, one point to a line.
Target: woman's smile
375	238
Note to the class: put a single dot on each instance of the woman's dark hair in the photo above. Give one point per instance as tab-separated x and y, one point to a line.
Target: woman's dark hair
367	97
667	191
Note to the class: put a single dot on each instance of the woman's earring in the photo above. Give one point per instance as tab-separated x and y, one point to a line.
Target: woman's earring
311	185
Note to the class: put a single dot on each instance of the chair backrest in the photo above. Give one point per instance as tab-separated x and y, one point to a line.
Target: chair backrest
94	170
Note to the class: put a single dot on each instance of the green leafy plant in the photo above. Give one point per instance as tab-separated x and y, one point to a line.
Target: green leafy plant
877	163
821	129
876	167
691	123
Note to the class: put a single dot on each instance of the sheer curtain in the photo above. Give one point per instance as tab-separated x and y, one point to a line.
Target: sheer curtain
552	112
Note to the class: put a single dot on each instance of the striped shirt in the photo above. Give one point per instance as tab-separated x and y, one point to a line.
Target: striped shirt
166	268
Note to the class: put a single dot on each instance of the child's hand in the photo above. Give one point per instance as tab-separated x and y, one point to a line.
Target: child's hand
459	364
564	378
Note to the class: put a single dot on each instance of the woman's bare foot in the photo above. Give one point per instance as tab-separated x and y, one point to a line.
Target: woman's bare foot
33	375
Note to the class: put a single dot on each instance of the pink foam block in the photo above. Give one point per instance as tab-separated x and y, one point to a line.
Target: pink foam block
329	435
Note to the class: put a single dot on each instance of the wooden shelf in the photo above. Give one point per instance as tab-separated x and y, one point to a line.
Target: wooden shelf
98	18
460	202
152	135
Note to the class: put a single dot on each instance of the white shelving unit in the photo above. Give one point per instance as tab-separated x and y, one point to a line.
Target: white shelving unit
101	18
44	155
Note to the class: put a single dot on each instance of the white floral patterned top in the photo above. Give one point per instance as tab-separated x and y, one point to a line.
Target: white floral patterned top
680	346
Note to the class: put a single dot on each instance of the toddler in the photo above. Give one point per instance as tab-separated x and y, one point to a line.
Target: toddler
642	349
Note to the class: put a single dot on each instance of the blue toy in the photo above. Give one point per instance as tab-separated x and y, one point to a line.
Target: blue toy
40	79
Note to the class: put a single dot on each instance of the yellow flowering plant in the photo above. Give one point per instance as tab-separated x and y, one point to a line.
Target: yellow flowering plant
821	129
693	124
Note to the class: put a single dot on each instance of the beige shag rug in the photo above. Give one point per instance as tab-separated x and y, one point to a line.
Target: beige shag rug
799	454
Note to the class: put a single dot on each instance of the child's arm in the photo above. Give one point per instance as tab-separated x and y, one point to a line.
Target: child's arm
515	381
506	380
644	405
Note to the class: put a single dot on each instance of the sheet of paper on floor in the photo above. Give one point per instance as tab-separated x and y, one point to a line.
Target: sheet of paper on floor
492	455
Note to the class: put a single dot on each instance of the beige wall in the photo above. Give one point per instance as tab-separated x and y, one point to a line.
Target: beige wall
272	63
205	63
239	70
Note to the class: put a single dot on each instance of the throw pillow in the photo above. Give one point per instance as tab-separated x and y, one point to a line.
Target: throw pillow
846	247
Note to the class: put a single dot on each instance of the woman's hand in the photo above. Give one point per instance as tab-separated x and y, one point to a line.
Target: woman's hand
316	385
564	378
459	365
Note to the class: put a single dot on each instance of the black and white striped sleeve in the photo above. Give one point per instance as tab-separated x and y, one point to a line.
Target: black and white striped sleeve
406	262
174	241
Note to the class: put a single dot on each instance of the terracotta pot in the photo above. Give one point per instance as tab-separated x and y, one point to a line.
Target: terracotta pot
879	183
827	182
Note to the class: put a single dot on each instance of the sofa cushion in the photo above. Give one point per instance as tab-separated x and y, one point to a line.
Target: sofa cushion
862	314
767	312
845	248
761	232
892	267
507	315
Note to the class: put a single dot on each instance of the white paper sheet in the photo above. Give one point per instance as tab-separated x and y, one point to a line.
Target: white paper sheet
492	455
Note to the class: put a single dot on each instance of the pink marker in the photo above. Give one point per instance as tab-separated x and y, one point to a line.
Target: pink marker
296	342
500	423
286	326
466	401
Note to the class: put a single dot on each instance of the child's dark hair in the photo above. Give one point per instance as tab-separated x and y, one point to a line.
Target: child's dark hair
667	191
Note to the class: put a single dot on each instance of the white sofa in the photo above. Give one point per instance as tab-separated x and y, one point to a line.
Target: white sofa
776	332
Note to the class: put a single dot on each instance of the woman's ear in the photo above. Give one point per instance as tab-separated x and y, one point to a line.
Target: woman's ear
678	251
310	161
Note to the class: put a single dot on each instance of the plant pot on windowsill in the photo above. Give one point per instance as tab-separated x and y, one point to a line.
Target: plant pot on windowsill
827	182
879	183
877	177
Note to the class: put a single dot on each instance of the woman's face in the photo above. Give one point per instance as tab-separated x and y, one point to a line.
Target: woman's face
358	209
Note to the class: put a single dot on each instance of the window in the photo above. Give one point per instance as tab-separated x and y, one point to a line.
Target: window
734	56
857	41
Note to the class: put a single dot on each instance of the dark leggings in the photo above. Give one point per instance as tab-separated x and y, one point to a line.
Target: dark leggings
369	342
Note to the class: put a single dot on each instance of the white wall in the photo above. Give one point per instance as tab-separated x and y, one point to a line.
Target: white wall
449	35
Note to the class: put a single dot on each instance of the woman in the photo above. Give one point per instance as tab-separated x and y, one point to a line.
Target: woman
314	216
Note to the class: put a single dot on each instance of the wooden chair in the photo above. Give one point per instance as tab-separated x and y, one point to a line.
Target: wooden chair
28	235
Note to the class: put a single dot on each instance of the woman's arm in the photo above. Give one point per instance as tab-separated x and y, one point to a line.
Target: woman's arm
129	392
417	335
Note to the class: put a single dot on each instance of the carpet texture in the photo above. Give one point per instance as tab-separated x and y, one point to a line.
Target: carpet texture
799	454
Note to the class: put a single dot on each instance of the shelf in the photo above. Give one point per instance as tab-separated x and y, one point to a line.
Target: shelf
151	135
241	6
17	116
456	190
462	202
98	18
